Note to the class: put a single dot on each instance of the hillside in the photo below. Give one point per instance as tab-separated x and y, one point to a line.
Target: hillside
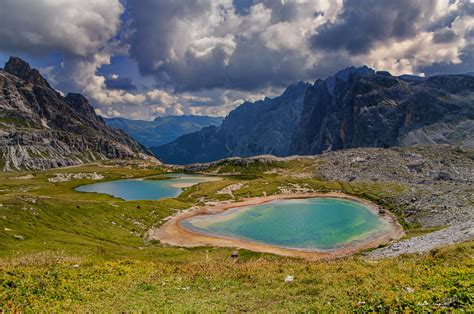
41	129
357	107
98	249
162	130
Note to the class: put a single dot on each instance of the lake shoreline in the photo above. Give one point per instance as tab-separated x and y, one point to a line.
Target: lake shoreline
169	187
173	233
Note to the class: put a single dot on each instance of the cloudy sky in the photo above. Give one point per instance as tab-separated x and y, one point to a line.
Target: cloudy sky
146	58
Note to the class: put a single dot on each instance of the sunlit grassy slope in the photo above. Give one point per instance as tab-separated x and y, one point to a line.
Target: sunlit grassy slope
64	250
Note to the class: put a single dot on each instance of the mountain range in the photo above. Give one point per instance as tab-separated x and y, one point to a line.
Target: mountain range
162	130
41	129
356	107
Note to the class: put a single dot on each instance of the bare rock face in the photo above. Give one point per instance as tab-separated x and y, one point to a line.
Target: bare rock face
366	109
40	129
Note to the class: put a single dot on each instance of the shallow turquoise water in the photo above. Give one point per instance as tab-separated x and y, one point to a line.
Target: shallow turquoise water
133	189
317	223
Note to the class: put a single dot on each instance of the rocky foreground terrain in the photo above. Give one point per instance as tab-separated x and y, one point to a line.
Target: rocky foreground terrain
41	129
438	186
434	186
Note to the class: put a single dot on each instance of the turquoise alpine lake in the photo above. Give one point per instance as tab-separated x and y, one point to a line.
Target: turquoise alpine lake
141	189
310	224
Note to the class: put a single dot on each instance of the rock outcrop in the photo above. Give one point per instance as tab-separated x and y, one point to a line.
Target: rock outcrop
40	129
368	109
357	107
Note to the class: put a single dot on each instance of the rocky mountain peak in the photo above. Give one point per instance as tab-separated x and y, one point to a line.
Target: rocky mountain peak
346	73
20	68
41	129
356	107
296	88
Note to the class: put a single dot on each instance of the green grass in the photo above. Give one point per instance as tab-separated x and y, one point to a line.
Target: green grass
210	280
65	250
259	168
52	216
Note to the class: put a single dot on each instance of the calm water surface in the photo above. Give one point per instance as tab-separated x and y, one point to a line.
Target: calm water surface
138	189
316	223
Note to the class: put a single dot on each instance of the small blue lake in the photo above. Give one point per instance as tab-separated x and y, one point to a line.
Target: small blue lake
315	223
141	189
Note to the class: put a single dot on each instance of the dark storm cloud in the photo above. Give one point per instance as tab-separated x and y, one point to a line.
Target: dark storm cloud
223	52
233	54
252	66
363	23
122	83
205	44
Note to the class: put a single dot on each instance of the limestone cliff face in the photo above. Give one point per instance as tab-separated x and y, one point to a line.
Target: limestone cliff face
368	109
40	129
357	107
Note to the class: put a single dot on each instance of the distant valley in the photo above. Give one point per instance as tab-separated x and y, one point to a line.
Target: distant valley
162	130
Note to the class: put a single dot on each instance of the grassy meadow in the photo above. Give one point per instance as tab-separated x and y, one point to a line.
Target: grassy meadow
63	250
